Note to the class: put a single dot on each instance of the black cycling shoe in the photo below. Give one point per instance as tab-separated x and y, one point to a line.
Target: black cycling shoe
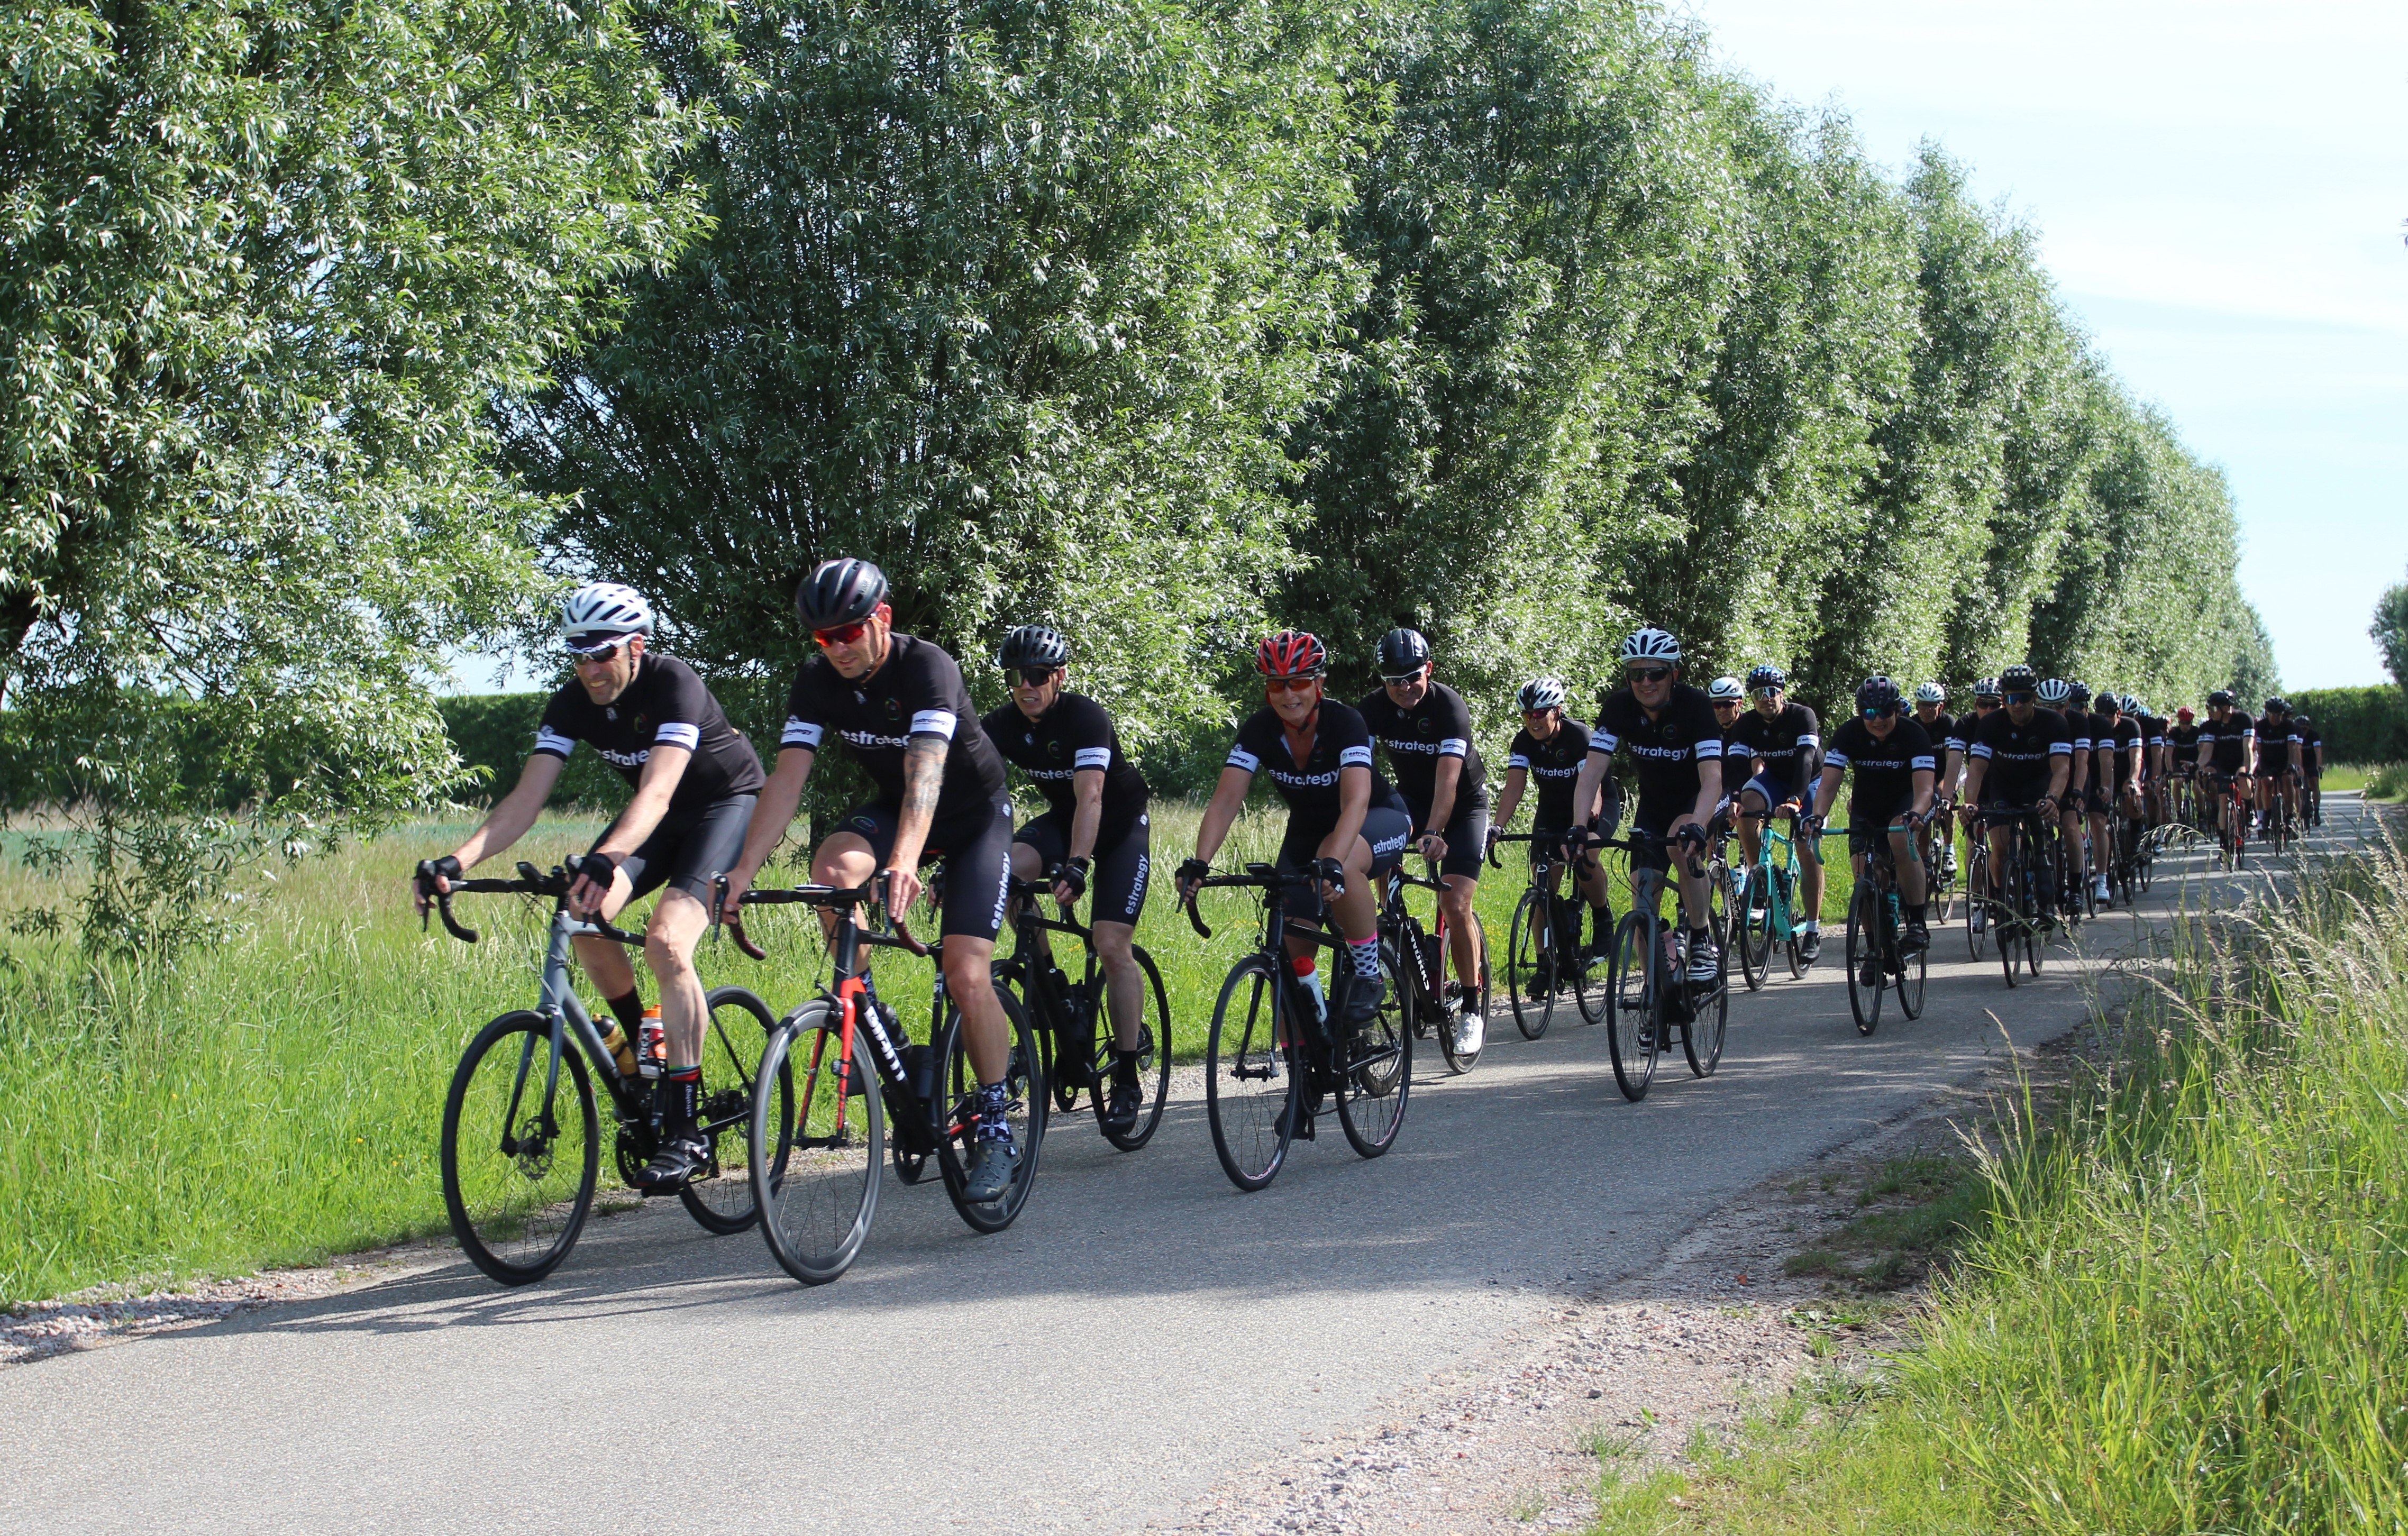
1364	996
1809	945
1128	1097
1915	940
682	1159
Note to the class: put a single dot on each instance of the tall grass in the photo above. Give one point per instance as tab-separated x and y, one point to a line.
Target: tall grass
2189	1310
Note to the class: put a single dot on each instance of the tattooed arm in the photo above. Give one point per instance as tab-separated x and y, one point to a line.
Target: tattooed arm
923	780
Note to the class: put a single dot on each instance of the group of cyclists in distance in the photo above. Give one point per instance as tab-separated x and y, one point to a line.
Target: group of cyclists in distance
1362	782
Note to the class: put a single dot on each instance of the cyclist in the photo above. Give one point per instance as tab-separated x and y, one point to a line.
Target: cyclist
1346	828
2278	763
1782	744
1426	729
695	779
1550	747
2072	700
1726	697
1952	779
2181	752
1947	750
2227	742
2312	767
1094	827
1671	731
1896	767
2153	759
2116	760
898	703
2021	754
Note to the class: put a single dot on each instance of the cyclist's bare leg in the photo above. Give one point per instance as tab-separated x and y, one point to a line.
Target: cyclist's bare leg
1455	901
1809	878
1025	865
1751	827
1911	888
1124	984
846	859
677	923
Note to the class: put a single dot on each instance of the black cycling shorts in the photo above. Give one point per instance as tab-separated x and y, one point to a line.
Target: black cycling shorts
1648	822
2099	800
1466	834
1116	881
976	847
689	850
1386	828
1868	833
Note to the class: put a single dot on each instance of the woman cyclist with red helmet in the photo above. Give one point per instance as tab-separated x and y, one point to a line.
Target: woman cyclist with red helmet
1346	826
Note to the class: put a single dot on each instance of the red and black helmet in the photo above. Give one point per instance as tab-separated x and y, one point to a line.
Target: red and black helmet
1292	654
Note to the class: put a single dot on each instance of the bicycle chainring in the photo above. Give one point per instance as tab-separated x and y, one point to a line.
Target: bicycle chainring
635	1147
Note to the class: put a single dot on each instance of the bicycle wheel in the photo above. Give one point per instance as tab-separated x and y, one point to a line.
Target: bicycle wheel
1754	936
518	1164
957	1105
1459	1042
815	1165
1591	965
733	1038
1632	990
1790	883
1152	1057
1865	955
1912	972
1250	1087
1977	893
1375	1074
1702	1038
1530	982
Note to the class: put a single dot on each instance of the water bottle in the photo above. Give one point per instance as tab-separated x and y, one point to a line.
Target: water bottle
652	1044
1309	979
623	1049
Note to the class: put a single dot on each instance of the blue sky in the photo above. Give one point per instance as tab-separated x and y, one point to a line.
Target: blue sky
2220	191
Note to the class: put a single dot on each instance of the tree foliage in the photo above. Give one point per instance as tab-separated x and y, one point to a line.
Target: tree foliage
2390	631
263	265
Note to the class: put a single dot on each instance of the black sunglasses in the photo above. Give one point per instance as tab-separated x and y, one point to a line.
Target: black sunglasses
1880	712
1037	677
2019	699
578	654
1649	674
1402	678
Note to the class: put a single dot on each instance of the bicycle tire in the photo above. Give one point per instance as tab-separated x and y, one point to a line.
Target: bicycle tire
1792	882
1252	1131
1912	974
1754	936
736	1032
1589	988
1632	989
955	1106
1153	1059
1460	1056
1529	939
1864	941
1376	1077
1702	1038
819	1191
510	1220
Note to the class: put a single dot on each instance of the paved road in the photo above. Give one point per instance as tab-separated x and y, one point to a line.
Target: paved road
1140	1333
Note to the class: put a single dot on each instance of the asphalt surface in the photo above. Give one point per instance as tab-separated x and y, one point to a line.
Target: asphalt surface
1143	1330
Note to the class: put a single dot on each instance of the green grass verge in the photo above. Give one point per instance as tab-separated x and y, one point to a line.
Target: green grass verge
2185	1312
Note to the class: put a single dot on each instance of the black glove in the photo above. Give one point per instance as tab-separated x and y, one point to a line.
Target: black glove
1494	833
445	869
601	868
1193	869
1330	873
1582	838
1074	874
1691	836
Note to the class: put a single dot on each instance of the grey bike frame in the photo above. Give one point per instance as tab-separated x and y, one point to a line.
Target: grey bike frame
561	1009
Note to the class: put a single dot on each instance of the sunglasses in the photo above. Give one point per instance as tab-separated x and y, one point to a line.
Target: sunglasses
1402	678
1037	677
1725	703
2020	698
1768	693
579	657
1648	674
1296	685
844	633
1881	713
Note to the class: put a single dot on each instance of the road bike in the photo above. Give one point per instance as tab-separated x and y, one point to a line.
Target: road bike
2233	814
1273	1055
1544	950
1977	892
1436	1009
2023	912
1878	962
852	1069
1648	992
521	1145
1078	1057
1764	908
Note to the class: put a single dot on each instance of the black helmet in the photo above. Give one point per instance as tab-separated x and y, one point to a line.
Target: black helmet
2018	678
2077	692
2220	700
2301	720
2278	705
1877	692
1767	677
1034	645
1402	651
839	592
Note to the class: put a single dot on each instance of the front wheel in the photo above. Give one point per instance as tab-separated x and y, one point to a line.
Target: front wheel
814	1164
1753	910
732	1039
958	1093
1867	967
1633	998
1374	1069
520	1150
1702	1038
1251	1088
1530	981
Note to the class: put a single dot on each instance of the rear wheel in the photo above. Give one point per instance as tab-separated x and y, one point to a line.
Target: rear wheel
1633	992
1911	974
520	1149
1530	979
1152	1057
1702	1038
733	1040
1868	974
1753	910
1250	1090
814	1169
1458	1040
1375	1069
957	1098
1591	964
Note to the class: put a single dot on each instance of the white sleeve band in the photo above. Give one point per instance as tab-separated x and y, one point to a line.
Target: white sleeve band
802	733
1835	759
1604	742
1930	765
1240	758
677	733
1092	757
1454	746
2060	749
1809	741
933	723
1518	761
1711	747
1354	757
548	739
1979	749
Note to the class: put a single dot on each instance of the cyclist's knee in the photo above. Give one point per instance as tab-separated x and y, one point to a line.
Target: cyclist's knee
1113	941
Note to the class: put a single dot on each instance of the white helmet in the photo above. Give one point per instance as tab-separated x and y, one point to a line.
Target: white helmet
1546	692
1725	688
1930	693
601	612
2054	691
1651	645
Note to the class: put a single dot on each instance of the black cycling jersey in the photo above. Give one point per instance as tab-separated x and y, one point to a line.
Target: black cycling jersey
2129	738
1438	727
663	704
1939	727
1339	739
919	691
1790	743
1074	736
2274	741
2183	743
2229	744
1553	765
1667	748
2019	755
2311	738
1884	766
